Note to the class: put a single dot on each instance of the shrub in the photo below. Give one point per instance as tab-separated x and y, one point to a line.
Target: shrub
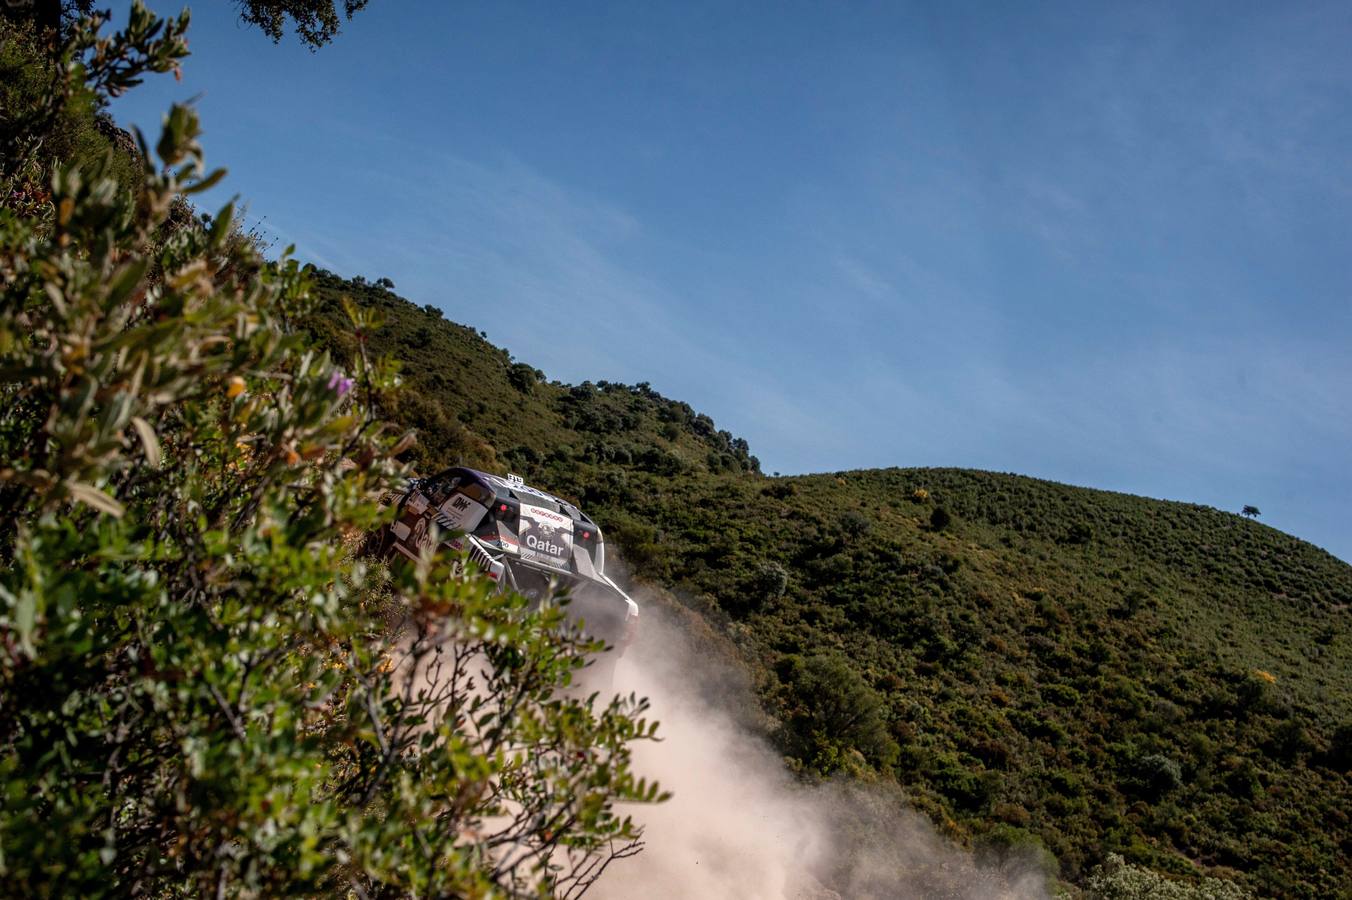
769	582
854	524
1061	695
205	691
1254	693
834	710
1155	775
1290	741
1079	533
1065	783
1133	603
659	461
1340	747
1243	781
1008	846
1118	880
995	753
970	791
523	377
940	519
54	118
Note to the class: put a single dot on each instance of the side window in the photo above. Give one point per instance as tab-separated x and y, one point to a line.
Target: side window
474	490
438	491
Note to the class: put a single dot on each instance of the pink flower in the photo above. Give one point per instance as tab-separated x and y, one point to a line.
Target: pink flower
340	383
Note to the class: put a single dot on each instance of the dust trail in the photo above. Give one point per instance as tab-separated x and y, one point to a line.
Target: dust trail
740	826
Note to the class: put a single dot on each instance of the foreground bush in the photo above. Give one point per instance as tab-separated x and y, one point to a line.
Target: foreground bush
201	689
1117	880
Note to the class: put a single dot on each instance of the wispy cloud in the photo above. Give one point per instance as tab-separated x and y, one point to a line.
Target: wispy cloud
557	276
1105	249
863	279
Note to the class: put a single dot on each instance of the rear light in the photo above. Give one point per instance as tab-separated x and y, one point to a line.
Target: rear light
500	511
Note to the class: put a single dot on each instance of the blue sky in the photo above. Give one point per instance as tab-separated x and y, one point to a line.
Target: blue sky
1105	244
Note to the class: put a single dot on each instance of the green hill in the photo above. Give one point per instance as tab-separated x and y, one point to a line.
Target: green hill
471	402
1035	663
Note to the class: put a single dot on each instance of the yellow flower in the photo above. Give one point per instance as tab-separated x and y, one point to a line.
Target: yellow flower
1266	676
235	388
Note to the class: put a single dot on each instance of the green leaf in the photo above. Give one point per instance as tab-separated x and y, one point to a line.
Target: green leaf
220	226
92	496
149	441
126	281
206	183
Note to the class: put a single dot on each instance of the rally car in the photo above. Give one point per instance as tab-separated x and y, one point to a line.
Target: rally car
525	539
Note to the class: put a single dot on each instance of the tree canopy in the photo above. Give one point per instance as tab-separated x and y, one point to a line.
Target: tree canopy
316	22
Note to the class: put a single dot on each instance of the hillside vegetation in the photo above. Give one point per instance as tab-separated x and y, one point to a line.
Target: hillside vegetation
194	672
471	402
1038	664
203	690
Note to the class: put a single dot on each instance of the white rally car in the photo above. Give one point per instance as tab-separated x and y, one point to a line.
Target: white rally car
525	539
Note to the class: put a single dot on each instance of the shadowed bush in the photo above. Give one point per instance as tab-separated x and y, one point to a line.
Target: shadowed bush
205	692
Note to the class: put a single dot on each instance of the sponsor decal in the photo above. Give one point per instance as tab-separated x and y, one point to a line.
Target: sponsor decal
557	520
476	557
546	536
417	503
544	545
459	513
419	537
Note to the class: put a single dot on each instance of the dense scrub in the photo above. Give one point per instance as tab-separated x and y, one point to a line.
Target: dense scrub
1038	664
203	690
473	404
1169	685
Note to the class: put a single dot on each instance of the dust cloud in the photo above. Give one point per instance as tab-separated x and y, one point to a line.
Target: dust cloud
739	825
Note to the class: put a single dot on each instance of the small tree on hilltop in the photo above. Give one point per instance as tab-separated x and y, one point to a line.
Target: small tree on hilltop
1251	512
